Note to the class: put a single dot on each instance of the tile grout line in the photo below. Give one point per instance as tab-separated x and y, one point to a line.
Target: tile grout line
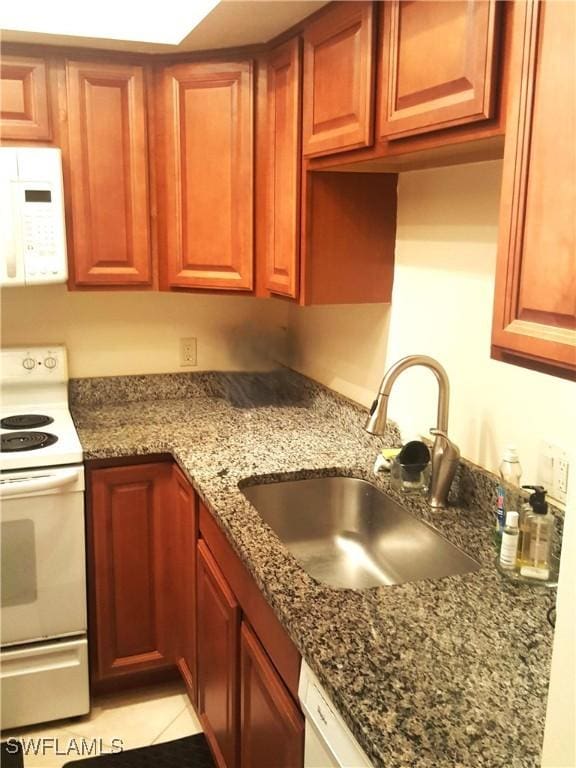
168	726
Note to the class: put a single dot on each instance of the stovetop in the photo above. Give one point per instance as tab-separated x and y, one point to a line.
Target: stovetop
36	427
62	448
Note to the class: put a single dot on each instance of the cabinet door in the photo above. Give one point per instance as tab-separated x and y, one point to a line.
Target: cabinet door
437	65
535	299
218	663
338	79
24	114
108	170
284	163
130	575
186	528
271	723
206	172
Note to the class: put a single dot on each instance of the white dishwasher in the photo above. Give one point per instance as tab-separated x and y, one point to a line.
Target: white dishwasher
328	741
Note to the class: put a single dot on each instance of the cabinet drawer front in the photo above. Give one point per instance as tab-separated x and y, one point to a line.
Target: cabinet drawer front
338	79
438	63
24	114
206	201
108	174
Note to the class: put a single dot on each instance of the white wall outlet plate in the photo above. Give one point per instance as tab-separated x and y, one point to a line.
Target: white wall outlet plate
188	354
553	470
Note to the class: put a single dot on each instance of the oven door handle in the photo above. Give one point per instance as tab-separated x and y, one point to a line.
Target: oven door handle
23	486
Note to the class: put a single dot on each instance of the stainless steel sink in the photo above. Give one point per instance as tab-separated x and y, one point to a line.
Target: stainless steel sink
346	533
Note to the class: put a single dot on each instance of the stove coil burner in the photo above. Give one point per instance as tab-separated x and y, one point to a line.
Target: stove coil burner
26	441
25	421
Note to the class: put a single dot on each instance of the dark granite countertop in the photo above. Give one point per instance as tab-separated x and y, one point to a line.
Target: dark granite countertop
451	673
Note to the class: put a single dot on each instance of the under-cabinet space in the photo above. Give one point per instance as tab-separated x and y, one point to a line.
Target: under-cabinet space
348	238
205	169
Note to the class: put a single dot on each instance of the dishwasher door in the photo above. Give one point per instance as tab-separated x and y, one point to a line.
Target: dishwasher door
328	740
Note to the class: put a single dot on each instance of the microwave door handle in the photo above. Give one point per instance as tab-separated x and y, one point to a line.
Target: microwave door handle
17	487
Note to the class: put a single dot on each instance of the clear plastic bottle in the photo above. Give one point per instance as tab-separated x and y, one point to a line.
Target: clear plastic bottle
509	547
510	468
510	471
537	543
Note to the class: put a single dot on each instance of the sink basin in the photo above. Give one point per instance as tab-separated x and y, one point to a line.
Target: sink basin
346	533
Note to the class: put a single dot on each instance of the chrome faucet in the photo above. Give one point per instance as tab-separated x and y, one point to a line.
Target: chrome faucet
445	454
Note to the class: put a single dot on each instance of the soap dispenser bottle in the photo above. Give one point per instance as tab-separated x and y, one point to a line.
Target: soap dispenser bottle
537	537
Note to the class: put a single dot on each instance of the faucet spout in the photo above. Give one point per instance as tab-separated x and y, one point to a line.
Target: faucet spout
445	454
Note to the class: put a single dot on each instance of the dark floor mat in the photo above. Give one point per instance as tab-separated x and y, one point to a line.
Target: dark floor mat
11	754
191	752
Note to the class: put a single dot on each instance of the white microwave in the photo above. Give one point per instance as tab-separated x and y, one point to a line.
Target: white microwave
32	226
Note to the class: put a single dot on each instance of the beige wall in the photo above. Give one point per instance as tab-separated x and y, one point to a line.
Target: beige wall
117	333
441	306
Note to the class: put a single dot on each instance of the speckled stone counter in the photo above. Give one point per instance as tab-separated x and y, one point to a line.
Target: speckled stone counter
451	673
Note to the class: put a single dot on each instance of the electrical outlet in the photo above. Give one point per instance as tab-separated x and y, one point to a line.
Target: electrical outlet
188	352
553	469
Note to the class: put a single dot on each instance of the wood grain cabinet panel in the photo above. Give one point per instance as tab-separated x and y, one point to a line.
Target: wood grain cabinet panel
185	524
108	171
535	298
438	60
206	171
24	113
130	577
272	726
338	79
283	171
218	660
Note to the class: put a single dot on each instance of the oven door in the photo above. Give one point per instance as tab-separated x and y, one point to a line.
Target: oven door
43	593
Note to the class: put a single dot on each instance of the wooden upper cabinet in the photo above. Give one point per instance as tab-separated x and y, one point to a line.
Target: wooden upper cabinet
108	172
283	169
338	79
438	60
271	724
24	113
205	167
130	576
535	299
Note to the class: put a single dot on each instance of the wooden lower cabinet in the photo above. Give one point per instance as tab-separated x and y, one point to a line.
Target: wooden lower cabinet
186	525
218	669
168	593
130	577
270	722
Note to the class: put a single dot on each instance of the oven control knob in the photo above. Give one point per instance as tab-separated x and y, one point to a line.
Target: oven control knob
50	362
29	363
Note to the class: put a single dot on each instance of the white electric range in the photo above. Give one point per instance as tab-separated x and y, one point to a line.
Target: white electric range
44	654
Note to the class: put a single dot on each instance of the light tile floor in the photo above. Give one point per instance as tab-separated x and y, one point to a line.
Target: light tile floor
138	718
